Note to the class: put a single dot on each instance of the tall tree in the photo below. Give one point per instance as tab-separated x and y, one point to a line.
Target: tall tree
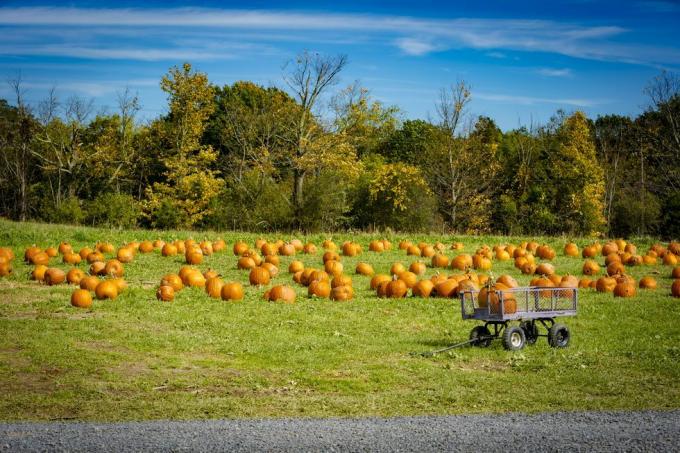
308	77
190	181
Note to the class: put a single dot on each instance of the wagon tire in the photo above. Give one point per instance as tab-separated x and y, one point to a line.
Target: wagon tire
480	336
530	331
558	336
514	338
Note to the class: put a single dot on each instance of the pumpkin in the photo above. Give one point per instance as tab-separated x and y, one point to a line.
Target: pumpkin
98	268
351	249
319	288
590	267
309	248
571	249
397	288
428	251
219	246
625	289
40	258
615	268
213	287
106	289
381	289
273	270
146	247
545	252
81	298
446	288
397	268
378	279
674	247
675	288
172	280
528	269
272	259
647	283
423	288
605	284
417	268
341	280
64	248
376	246
114	268
342	293
457	246
295	266
169	250
546	269
280	293
158	244
125	255
609	247
287	249
670	259
330	256
259	276
387	244
461	262
105	247
329	245
71	258
73	276
165	293
194	278
333	267
51	252
413	250
612	258
437	278
297	244
85	252
440	260
543	282
245	262
206	247
38	272
30	252
269	249
232	291
94	257
508	281
409	278
502	255
649	260
364	269
585	283
675	273
89	282
404	244
193	256
589	251
317	274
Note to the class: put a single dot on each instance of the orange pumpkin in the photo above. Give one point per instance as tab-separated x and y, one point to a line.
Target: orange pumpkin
378	279
397	288
280	293
319	288
295	266
54	276
259	276
675	288
364	269
81	298
423	288
232	291
125	255
172	280
342	293
71	258
73	276
625	289
417	268
647	283
114	268
169	250
605	284
213	287
146	247
591	268
341	280
409	278
240	248
89	282
165	293
106	289
397	268
38	273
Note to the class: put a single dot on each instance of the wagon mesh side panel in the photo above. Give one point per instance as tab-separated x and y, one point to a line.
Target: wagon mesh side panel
519	303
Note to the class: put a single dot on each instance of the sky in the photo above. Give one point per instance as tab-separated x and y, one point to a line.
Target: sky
523	60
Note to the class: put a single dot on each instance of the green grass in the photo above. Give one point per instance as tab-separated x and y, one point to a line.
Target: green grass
136	358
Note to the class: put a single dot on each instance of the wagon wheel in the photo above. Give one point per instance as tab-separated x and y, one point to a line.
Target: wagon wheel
514	338
558	336
480	336
530	331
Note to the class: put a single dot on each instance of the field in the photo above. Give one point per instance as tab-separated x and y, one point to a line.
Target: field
136	358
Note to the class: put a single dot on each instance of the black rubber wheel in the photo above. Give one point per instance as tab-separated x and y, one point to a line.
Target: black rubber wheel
558	336
530	331
513	338
480	336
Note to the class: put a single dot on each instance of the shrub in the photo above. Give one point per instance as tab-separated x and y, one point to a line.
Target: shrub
68	211
113	210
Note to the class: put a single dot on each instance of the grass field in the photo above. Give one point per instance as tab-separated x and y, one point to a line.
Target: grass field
137	358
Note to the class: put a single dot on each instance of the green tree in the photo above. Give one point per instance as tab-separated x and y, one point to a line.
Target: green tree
190	180
578	177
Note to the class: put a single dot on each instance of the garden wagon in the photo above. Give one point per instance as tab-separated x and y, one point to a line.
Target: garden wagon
516	314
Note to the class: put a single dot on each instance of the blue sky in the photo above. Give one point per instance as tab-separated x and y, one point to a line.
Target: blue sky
524	61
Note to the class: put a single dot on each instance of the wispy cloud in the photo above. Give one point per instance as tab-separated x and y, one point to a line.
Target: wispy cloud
532	100
412	36
552	72
412	46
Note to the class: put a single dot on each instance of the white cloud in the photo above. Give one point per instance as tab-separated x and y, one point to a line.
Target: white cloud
552	72
412	46
532	100
414	36
99	53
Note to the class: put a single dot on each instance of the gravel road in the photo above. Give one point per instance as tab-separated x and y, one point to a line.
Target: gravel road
580	431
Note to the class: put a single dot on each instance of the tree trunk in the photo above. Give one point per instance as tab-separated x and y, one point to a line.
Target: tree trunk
298	181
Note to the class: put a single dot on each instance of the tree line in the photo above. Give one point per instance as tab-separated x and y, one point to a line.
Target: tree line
313	157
